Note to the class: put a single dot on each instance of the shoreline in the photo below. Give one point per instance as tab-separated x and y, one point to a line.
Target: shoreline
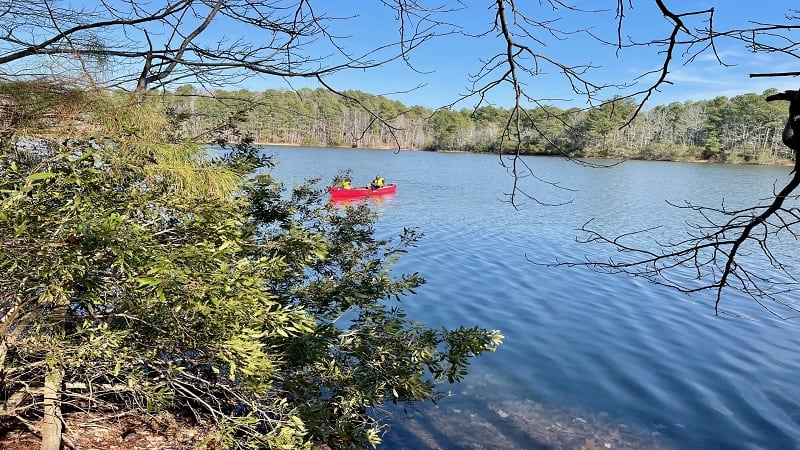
695	161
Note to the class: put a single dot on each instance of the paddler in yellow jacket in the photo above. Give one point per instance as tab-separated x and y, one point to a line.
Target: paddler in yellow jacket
377	183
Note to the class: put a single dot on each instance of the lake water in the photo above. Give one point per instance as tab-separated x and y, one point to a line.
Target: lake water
589	360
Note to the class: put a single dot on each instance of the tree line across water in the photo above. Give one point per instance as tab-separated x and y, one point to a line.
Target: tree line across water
744	128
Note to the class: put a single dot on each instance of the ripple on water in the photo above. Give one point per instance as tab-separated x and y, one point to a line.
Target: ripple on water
601	343
613	351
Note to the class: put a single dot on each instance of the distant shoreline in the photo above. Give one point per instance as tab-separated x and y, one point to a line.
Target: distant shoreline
697	161
286	144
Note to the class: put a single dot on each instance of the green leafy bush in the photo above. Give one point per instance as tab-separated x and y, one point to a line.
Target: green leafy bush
147	277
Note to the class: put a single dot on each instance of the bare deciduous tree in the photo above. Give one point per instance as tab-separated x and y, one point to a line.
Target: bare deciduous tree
724	249
143	46
713	250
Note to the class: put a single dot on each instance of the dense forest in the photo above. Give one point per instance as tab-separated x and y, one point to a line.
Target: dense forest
743	128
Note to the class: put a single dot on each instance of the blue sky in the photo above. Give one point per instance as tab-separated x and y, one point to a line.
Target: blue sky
447	62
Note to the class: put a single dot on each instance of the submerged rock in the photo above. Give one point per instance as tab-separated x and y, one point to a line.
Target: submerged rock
504	424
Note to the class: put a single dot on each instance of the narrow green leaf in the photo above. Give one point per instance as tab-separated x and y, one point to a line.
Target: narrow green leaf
40	176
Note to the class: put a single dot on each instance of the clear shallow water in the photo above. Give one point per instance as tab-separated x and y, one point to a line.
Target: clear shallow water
634	356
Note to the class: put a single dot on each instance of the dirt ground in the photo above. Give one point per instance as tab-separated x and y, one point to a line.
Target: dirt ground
90	432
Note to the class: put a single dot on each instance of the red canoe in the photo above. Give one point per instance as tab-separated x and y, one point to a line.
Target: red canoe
337	192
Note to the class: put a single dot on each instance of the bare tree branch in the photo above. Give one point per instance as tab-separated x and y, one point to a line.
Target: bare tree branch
713	250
